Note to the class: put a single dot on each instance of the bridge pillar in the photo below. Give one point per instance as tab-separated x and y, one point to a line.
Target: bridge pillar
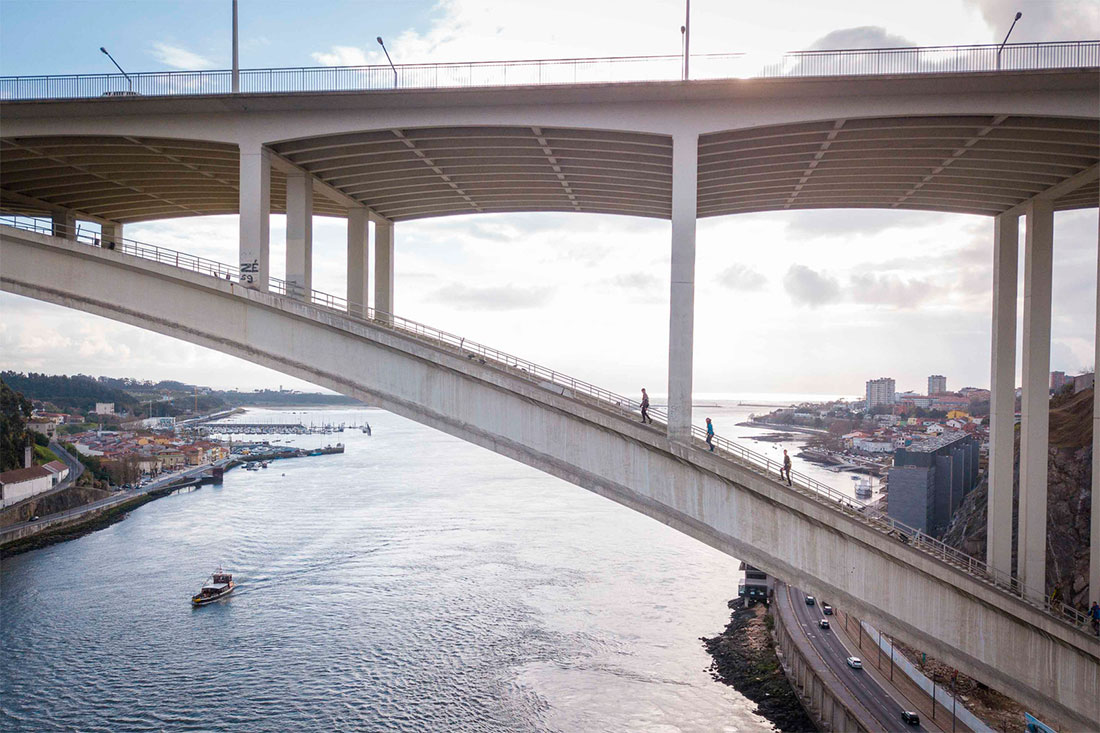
1094	545
358	264
63	224
383	267
1035	413
685	158
110	233
1002	401
299	235
255	208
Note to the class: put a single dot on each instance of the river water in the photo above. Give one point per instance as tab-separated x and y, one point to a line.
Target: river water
413	583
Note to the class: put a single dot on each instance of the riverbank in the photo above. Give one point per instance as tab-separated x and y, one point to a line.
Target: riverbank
744	658
77	529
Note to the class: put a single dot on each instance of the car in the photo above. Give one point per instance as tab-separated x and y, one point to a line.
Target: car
823	623
810	600
910	717
34	518
855	662
826	609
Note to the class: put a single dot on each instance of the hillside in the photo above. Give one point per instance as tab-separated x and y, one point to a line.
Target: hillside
1069	501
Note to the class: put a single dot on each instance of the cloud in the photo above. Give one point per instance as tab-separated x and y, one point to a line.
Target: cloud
891	290
863	222
637	281
179	58
741	277
867	36
809	287
344	56
501	298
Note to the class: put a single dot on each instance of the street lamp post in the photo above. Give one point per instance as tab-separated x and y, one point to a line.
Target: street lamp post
236	79
1002	46
686	30
112	58
379	39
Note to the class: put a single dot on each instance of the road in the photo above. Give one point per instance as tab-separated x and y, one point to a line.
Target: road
117	498
880	703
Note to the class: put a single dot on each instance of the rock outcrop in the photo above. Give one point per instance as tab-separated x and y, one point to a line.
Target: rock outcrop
1069	502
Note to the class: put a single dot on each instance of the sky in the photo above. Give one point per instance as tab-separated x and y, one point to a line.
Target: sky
812	302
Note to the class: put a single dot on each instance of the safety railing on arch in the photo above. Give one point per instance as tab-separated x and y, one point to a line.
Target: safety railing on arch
568	386
541	72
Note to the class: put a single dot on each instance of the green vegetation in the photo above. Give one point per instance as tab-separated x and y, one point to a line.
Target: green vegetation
44	455
79	392
14	411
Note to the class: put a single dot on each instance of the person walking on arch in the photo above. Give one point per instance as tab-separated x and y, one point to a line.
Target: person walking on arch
645	407
786	468
710	434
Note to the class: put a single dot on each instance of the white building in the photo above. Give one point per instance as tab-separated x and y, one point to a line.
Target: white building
105	408
58	471
880	392
23	483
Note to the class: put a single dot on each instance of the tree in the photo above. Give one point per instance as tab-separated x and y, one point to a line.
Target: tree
14	411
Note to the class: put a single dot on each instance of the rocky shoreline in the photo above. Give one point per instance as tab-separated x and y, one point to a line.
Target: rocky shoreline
744	658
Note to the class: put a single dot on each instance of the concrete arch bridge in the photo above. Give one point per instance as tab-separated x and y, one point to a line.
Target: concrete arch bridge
1005	144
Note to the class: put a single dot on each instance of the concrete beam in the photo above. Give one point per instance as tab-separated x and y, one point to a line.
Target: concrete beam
299	235
332	193
43	205
383	268
255	208
1002	403
685	158
1058	190
1031	553
358	262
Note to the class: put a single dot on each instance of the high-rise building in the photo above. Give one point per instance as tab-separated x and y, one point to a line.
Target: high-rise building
937	384
880	392
1058	380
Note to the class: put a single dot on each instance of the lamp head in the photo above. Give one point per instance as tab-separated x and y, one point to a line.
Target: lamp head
1019	15
103	50
379	39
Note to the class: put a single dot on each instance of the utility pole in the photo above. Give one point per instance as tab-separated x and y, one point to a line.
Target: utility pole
1002	46
236	54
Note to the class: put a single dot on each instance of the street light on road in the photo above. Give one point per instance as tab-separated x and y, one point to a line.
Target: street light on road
1002	46
112	58
379	39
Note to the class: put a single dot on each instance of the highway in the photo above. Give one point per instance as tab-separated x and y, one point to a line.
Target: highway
882	706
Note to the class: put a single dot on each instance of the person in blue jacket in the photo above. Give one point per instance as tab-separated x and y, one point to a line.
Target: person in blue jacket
710	434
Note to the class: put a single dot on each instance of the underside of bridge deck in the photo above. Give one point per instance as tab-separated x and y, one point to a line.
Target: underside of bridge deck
977	164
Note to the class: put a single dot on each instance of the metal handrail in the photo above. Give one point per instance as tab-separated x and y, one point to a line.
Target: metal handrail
573	388
539	72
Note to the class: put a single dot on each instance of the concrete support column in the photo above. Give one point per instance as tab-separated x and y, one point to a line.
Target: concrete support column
1002	401
255	207
1094	544
1035	412
685	156
110	234
358	264
383	268
299	235
63	224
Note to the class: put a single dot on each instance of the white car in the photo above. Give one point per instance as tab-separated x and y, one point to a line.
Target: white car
855	662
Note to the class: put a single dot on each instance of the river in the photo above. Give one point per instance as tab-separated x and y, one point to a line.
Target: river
413	583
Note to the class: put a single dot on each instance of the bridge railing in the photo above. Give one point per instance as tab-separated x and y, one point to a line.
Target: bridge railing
571	387
538	72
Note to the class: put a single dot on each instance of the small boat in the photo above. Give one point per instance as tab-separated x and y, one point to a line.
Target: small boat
863	488
220	585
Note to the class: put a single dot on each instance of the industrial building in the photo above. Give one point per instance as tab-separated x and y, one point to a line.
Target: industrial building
929	480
